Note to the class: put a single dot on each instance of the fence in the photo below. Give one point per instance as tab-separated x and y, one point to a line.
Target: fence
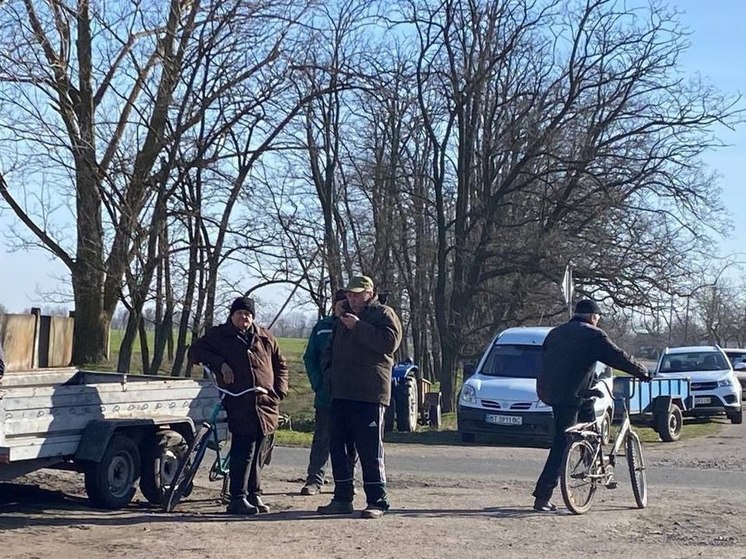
32	341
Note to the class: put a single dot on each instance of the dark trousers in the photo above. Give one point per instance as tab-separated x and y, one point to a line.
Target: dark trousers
358	424
246	462
319	457
565	416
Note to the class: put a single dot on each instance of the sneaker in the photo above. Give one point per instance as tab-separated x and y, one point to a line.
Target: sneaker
336	507
256	500
310	489
544	505
241	506
372	511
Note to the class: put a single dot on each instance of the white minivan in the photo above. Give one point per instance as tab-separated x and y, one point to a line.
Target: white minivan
500	397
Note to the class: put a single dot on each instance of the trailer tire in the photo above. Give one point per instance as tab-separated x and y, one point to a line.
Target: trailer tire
669	424
160	458
434	416
112	482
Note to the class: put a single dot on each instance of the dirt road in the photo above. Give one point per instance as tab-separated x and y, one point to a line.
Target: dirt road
454	514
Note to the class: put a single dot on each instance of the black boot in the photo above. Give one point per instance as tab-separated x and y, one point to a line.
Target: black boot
239	505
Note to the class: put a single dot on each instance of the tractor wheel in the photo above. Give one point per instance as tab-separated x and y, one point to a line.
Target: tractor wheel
406	405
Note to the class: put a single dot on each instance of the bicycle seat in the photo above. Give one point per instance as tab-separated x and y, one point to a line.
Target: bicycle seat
591	393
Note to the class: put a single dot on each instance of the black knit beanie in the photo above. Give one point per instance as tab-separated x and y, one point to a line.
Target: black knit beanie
243	304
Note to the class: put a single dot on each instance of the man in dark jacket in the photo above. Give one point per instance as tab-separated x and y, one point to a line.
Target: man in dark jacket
362	353
2	361
244	355
313	358
570	353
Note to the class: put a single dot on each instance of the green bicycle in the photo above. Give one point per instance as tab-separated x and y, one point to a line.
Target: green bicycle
206	438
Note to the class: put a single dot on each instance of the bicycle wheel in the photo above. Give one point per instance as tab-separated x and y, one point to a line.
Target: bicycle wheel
187	469
578	479
636	464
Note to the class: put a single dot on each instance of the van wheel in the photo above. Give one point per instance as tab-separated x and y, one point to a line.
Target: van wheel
669	424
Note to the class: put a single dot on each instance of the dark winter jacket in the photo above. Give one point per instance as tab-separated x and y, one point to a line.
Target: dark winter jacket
360	359
2	361
321	337
256	361
570	352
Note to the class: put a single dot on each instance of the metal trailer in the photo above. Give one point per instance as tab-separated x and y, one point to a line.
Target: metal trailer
660	403
120	431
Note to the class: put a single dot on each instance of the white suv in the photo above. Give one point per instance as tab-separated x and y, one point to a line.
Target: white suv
714	386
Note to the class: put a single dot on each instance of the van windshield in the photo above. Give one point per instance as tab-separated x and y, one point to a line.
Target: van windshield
693	361
515	361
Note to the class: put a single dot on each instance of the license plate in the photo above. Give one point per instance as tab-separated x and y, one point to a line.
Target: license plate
504	419
701	401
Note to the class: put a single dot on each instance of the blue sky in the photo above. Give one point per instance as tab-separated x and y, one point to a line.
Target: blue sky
718	44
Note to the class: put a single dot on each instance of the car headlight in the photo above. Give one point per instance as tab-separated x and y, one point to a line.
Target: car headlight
468	394
725	382
541	405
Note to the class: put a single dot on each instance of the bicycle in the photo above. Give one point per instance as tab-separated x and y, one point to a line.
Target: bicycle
586	466
206	437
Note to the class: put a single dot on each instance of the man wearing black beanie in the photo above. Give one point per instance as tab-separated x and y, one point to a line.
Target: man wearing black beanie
245	355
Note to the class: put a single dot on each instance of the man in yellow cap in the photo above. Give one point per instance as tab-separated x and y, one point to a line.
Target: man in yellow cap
359	374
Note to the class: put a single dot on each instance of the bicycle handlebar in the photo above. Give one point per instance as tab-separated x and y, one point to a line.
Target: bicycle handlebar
214	381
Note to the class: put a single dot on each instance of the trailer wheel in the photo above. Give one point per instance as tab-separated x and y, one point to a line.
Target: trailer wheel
406	405
669	424
160	458
112	482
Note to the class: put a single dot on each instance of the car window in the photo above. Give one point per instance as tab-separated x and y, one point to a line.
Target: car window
694	361
736	358
515	361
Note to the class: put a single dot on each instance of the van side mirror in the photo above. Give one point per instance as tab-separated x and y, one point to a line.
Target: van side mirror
469	369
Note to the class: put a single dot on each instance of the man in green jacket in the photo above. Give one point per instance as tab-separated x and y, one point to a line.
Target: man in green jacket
361	357
313	358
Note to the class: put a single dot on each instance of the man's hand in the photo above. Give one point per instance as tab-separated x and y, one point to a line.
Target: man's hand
349	320
227	373
647	377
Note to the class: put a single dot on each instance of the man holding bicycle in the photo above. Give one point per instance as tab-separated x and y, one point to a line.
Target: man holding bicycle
246	355
570	353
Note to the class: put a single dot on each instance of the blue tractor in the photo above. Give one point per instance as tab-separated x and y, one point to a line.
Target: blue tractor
408	406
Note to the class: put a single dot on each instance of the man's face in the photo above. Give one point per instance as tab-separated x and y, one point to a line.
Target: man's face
358	301
595	318
242	319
